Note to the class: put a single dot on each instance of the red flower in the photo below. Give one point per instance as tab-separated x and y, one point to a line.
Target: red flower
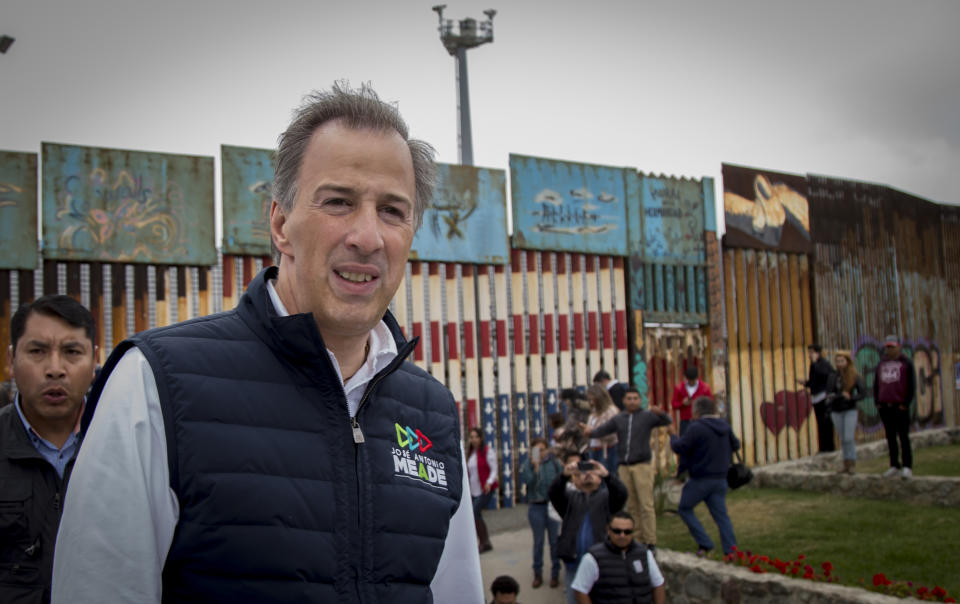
939	591
801	556
922	591
880	579
795	571
808	574
756	568
827	567
949	600
764	559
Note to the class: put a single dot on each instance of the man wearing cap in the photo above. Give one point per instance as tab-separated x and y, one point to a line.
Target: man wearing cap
894	386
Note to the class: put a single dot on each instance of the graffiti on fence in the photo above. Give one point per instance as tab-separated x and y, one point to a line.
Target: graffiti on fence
127	206
927	408
18	210
765	209
789	408
247	180
568	206
466	220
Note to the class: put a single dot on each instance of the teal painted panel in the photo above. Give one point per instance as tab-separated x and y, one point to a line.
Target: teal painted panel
709	205
127	206
673	220
466	221
567	206
247	178
18	210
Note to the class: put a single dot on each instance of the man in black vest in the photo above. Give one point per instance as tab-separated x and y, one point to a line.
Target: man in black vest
52	354
619	569
284	450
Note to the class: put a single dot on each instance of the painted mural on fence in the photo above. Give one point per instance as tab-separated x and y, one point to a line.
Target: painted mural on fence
565	206
127	206
673	219
927	408
18	210
466	221
765	210
247	181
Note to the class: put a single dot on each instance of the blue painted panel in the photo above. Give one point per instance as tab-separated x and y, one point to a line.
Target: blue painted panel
489	426
247	180
127	206
536	414
567	206
18	210
466	221
709	205
505	453
673	220
520	414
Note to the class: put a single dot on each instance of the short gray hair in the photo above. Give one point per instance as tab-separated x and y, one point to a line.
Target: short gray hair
357	109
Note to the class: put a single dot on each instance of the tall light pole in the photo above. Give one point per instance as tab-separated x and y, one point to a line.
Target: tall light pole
468	36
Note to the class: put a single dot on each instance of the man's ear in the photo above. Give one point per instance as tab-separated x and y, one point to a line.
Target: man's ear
96	351
278	221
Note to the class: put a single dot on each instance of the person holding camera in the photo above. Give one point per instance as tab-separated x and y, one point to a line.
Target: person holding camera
584	509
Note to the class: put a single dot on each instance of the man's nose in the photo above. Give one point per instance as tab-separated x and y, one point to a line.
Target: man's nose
364	230
55	366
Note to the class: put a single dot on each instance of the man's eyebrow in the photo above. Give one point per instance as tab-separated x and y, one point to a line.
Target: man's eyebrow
349	191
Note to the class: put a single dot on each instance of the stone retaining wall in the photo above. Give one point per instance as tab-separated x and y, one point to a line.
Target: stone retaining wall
692	580
818	473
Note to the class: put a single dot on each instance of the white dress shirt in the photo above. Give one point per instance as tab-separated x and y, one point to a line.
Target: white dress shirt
120	513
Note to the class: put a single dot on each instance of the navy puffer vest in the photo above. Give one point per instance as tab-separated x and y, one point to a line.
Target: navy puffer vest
624	576
277	501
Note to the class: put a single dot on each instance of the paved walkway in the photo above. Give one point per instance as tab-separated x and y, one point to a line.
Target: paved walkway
512	555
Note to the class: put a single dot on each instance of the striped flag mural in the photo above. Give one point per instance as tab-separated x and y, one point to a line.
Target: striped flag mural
550	332
563	321
504	386
470	346
435	310
419	313
536	364
520	387
579	341
593	329
452	325
620	313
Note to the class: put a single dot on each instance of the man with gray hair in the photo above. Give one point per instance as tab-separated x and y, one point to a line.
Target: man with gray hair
284	450
705	448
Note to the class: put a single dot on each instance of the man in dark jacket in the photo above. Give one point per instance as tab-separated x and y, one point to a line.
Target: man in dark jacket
619	570
285	450
818	380
894	387
584	509
53	357
706	448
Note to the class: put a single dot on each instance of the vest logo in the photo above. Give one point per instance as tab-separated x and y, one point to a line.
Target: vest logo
413	439
410	462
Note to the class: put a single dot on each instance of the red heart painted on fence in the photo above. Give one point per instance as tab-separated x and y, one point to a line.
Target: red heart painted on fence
787	409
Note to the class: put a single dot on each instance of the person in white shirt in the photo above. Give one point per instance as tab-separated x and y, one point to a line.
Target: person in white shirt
284	450
619	568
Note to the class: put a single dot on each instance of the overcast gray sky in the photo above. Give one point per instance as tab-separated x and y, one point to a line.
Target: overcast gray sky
860	89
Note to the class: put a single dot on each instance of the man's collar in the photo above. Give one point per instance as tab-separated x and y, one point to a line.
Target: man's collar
29	428
381	340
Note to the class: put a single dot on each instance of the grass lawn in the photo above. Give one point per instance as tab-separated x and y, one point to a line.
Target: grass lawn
861	537
929	461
